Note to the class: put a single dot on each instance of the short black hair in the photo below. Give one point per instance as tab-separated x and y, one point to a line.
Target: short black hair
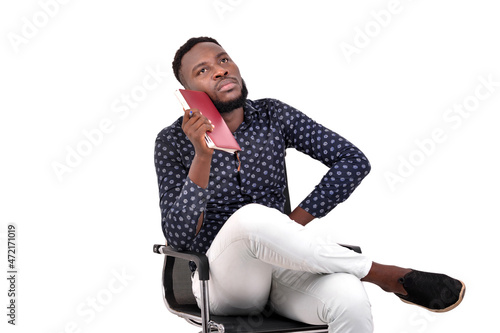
176	64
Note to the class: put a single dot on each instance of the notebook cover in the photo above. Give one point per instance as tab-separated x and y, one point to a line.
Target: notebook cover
221	135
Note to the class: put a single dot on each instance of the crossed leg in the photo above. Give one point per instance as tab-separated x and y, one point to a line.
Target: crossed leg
260	247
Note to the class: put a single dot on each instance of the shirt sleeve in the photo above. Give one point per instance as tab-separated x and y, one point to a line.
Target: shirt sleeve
348	165
181	201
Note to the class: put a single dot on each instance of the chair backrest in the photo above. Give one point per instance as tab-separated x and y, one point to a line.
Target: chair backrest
178	281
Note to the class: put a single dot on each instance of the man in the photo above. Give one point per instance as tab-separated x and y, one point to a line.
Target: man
231	207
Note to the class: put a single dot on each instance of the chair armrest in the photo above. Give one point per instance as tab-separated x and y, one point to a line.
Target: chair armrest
355	248
199	259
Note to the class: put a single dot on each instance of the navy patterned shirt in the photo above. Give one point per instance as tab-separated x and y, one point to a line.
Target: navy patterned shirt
269	127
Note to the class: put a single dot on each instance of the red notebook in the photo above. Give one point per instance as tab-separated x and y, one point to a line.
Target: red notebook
221	137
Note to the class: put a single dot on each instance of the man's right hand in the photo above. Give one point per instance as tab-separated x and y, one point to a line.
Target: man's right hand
195	125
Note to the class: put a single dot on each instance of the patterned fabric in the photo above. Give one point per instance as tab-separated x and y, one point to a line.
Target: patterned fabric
269	127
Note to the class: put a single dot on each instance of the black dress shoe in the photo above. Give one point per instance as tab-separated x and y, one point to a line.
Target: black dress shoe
435	292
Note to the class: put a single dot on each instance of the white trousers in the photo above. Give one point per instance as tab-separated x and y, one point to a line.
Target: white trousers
260	255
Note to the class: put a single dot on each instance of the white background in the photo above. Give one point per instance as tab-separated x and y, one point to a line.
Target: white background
100	218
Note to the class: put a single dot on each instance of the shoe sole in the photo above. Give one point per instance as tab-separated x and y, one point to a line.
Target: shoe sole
451	307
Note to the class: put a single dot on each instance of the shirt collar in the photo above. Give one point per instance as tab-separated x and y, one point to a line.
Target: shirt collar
249	114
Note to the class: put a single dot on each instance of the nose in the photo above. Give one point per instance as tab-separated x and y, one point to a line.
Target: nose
220	72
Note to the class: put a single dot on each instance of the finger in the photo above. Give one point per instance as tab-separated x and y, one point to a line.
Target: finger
195	124
196	118
201	124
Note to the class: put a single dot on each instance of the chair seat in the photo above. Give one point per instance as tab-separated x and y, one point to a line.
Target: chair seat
258	323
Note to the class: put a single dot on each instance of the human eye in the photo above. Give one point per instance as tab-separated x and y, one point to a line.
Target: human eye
224	60
202	71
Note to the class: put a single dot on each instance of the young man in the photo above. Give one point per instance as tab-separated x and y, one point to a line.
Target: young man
231	207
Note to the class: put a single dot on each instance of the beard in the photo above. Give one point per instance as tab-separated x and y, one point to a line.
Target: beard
230	106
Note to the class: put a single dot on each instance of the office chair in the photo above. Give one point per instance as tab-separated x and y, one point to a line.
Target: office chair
179	298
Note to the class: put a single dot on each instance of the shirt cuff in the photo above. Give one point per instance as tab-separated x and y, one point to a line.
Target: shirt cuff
317	204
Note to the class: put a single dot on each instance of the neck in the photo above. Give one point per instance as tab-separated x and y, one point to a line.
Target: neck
234	119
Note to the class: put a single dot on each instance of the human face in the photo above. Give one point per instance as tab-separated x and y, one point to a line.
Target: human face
207	67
